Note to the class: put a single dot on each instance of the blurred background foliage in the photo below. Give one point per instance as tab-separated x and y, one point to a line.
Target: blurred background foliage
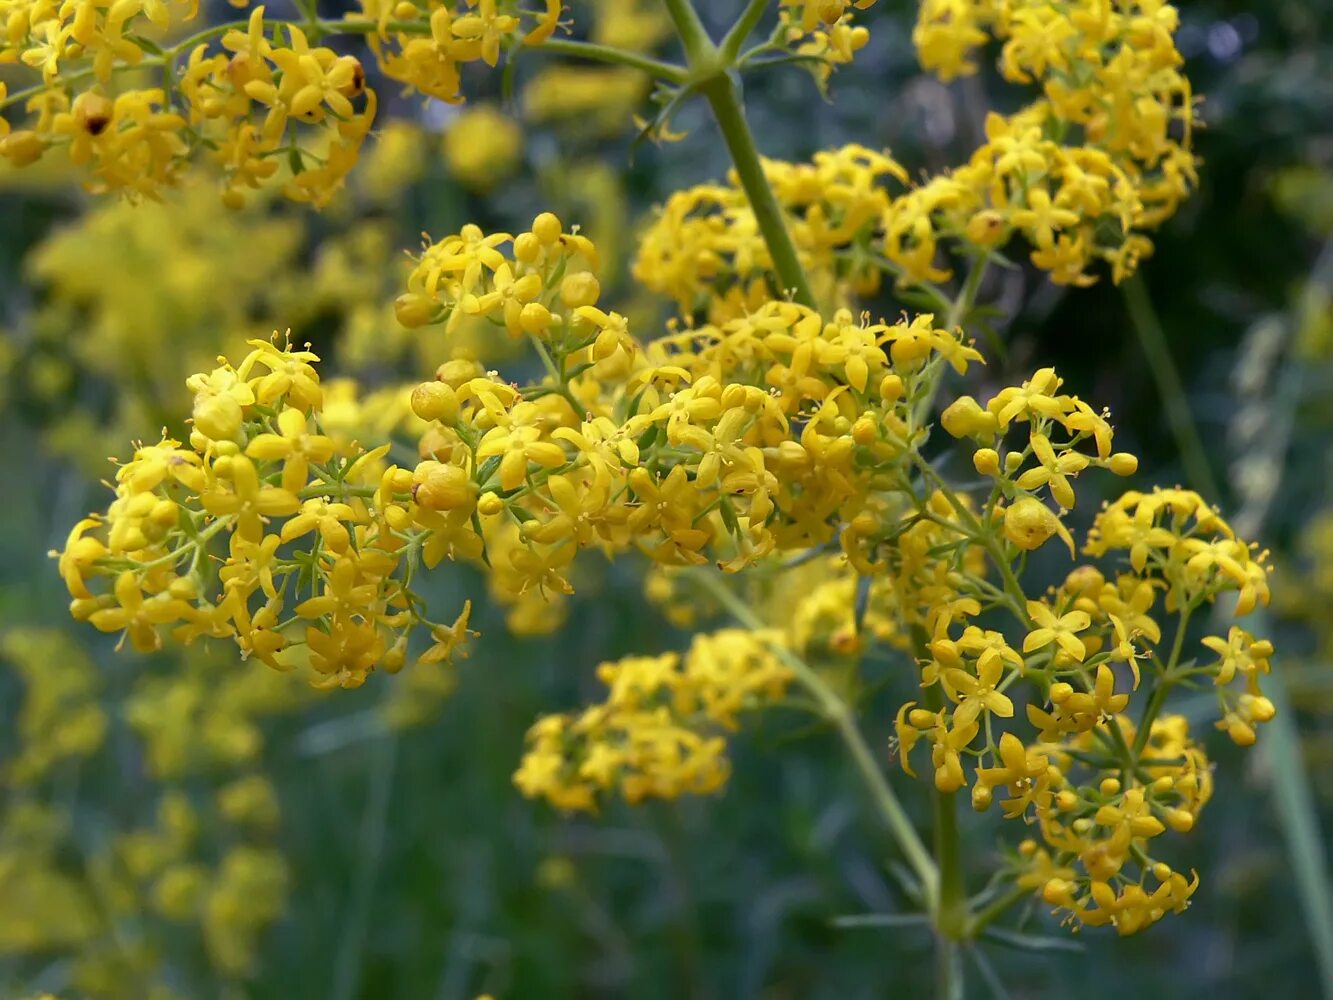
368	843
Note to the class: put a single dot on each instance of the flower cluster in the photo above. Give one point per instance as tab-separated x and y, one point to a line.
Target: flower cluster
1081	174
1103	155
657	735
250	101
425	45
822	32
764	430
1099	786
705	248
261	469
261	100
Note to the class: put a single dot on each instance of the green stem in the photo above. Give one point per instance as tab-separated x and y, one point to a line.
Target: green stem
340	490
839	713
725	100
1164	683
606	54
951	920
960	309
370	855
948	969
699	47
740	31
1152	339
951	913
710	74
984	918
561	386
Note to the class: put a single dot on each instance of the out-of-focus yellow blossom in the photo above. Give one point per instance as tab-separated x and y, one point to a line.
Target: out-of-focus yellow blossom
61	719
44	908
600	100
482	146
394	159
657	734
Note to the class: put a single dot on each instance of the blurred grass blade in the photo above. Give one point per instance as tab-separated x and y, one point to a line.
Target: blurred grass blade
1030	942
1300	826
988	974
858	920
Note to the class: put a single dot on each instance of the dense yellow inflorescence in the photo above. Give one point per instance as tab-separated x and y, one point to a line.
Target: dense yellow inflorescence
774	432
756	435
116	93
1081	174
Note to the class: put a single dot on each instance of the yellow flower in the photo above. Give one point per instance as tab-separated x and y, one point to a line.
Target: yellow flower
294	445
1028	523
979	693
247	501
1062	630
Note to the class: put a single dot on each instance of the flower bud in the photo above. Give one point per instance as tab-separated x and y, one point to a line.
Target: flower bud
435	401
413	310
92	112
535	318
1085	581
1240	731
218	417
986	228
22	148
546	227
356	81
1180	820
580	289
863	431
454	373
1122	463
964	417
981	797
396	480
490	504
442	487
1254	708
986	461
393	660
1028	523
1057	892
